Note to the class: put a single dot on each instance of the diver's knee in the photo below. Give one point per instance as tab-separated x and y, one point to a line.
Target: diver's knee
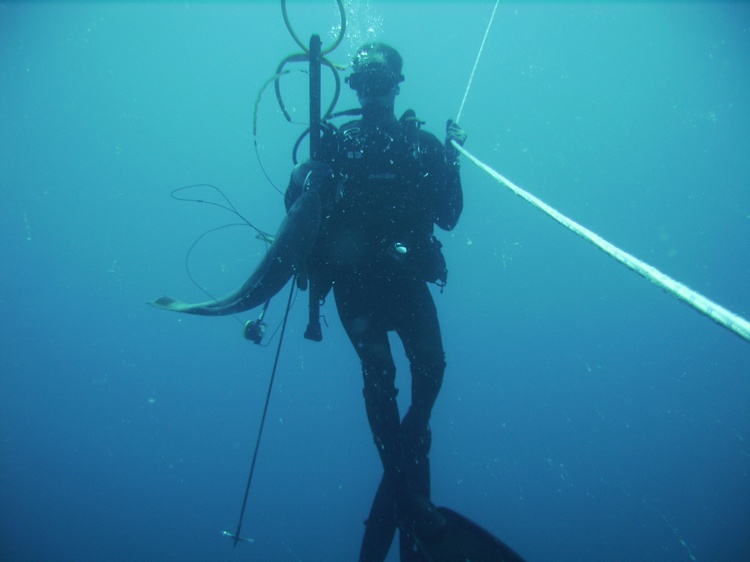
416	441
427	379
379	383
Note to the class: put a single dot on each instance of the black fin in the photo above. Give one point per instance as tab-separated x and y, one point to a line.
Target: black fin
448	536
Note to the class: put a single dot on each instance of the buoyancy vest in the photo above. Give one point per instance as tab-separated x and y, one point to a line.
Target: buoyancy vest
380	218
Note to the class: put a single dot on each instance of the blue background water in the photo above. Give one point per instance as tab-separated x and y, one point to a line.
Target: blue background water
585	415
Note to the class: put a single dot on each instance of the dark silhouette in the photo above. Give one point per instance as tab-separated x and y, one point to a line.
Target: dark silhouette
387	184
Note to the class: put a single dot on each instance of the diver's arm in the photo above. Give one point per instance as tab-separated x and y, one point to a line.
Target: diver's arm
444	180
452	198
451	201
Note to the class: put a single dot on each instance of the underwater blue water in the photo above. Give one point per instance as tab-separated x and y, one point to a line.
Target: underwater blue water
585	414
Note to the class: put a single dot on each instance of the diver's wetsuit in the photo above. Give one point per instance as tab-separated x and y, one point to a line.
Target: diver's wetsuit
375	244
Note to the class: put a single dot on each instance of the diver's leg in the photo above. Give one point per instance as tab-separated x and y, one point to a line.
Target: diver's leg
365	326
414	490
420	332
382	413
379	377
364	318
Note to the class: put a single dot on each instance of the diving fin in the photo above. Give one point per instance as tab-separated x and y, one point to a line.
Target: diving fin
442	535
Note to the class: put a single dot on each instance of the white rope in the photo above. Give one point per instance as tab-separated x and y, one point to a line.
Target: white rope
476	62
719	314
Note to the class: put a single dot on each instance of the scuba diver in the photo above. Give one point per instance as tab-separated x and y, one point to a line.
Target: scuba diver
382	191
360	222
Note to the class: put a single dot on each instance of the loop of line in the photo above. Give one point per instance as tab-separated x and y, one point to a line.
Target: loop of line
337	41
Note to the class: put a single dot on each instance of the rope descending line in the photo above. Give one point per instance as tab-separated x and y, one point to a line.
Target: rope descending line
476	61
716	312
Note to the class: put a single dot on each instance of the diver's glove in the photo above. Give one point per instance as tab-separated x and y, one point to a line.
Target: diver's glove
311	174
454	132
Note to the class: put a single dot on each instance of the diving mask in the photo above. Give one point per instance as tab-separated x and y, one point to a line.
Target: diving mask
373	80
